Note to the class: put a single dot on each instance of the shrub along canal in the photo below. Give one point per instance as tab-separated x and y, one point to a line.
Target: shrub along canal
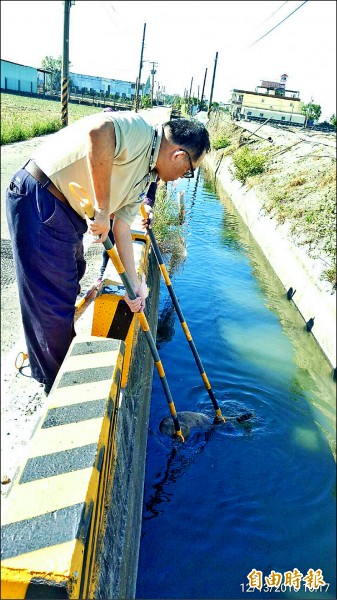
244	507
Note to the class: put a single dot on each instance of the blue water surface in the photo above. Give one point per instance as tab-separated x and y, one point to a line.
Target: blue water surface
237	502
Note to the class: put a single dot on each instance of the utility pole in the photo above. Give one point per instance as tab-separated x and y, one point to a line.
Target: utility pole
203	89
153	72
189	97
139	73
65	62
211	96
158	93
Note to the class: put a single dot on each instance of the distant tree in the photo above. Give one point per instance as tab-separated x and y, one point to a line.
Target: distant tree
146	102
202	105
333	120
312	111
176	101
54	66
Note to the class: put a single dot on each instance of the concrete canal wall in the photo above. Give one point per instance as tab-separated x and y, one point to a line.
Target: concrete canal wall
72	520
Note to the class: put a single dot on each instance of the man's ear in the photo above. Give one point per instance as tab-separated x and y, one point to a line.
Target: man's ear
178	153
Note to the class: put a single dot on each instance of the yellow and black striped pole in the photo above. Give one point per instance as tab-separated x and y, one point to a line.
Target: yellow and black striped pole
65	101
218	418
81	195
65	64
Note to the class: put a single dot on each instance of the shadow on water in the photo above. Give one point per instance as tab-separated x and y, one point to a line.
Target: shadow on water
179	459
259	495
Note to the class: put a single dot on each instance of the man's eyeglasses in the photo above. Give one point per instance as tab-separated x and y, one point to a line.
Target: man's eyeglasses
189	174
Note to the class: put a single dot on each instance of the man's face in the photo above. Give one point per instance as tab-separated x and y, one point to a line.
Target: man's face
177	164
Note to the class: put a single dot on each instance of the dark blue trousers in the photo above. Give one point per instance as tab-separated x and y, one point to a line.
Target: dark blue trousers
47	242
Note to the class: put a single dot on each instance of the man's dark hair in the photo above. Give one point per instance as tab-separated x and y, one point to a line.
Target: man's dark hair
189	134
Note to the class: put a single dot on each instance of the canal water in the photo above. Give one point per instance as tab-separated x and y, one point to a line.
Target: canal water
244	508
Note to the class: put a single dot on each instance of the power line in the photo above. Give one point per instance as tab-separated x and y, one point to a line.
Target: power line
274	13
270	30
112	14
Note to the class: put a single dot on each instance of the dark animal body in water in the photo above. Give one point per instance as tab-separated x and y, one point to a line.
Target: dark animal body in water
188	419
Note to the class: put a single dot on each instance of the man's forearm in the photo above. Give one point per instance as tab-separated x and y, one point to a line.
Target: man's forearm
124	246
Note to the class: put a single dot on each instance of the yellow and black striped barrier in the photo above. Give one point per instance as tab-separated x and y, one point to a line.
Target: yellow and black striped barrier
112	317
88	208
53	519
218	418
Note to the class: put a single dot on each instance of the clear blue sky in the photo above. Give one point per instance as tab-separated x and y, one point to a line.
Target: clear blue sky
183	38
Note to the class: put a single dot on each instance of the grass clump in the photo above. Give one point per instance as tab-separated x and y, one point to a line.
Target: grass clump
220	141
24	117
248	164
22	130
222	133
168	228
307	202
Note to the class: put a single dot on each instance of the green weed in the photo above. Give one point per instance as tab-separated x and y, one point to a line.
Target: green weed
248	164
168	228
23	118
221	141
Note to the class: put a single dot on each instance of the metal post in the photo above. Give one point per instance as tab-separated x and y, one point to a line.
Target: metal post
211	96
153	72
203	89
65	64
139	72
189	97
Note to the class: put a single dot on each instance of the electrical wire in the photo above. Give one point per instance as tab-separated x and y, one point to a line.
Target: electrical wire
270	30
274	13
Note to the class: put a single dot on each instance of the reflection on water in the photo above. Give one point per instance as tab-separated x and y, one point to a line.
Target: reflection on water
166	323
312	371
178	460
236	497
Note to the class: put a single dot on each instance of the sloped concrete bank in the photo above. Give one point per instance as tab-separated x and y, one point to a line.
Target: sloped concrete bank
290	263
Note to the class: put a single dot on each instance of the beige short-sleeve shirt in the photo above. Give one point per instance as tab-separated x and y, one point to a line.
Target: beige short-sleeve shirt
63	158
